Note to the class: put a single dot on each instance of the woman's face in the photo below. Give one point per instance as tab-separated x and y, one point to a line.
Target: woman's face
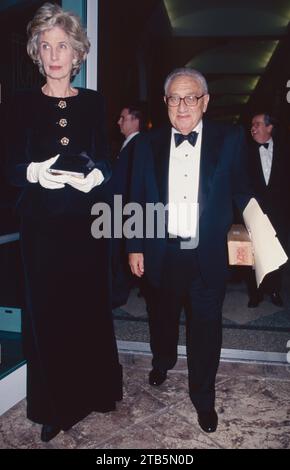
56	53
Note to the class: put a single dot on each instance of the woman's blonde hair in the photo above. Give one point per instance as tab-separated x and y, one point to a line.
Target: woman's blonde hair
48	16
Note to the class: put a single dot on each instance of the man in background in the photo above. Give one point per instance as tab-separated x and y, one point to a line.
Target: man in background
130	122
269	171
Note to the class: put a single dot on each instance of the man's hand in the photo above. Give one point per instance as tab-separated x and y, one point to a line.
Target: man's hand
136	263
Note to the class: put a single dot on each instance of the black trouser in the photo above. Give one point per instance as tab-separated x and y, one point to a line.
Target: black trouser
271	283
183	287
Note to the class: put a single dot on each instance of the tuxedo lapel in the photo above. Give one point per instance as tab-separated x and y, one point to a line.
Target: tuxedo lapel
276	168
210	146
161	149
260	168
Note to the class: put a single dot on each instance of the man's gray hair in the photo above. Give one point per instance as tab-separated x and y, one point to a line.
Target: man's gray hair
188	72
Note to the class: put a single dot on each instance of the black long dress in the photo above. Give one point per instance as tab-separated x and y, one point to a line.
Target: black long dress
69	340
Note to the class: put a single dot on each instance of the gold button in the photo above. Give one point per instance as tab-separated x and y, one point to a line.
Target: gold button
62	122
62	104
64	141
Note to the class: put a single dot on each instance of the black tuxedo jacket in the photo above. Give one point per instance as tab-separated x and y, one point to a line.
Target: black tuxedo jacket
121	179
223	180
274	197
122	170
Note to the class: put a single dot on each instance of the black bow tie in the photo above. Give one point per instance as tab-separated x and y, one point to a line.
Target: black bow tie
191	137
266	145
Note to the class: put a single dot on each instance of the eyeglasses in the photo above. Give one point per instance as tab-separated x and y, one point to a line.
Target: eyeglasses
190	100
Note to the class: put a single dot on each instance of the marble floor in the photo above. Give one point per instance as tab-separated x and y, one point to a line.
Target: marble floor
252	398
265	328
252	403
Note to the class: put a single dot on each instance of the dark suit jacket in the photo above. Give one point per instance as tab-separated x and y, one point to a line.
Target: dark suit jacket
223	179
121	180
122	170
274	197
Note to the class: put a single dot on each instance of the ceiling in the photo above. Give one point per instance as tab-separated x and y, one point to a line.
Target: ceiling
232	42
241	46
7	4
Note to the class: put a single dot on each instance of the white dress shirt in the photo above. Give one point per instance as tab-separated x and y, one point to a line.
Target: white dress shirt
184	165
266	156
127	140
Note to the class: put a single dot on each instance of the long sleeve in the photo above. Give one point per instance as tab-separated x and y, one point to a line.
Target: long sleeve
17	136
142	156
242	189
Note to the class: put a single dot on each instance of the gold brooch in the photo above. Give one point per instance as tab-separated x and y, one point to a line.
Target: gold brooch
64	141
62	122
62	104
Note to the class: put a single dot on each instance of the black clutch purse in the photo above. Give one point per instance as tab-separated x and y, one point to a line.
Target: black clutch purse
75	165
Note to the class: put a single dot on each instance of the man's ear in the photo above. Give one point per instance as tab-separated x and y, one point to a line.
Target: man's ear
205	102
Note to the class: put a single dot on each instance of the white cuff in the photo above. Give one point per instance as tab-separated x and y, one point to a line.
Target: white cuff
32	172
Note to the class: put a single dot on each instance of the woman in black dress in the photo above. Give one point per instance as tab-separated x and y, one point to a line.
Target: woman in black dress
72	359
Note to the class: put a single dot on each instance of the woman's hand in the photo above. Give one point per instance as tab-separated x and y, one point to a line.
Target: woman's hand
37	172
94	178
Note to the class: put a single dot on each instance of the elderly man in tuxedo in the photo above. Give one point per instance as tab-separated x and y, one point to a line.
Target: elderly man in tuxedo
195	168
269	170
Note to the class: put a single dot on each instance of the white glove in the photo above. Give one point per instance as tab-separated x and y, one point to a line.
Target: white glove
94	178
37	173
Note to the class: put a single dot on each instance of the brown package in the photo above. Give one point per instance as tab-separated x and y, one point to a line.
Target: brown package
240	247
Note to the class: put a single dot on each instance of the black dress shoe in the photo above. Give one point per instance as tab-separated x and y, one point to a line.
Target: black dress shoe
276	299
157	377
208	420
48	432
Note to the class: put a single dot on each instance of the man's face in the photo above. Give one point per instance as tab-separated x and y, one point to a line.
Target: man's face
260	132
185	118
127	123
